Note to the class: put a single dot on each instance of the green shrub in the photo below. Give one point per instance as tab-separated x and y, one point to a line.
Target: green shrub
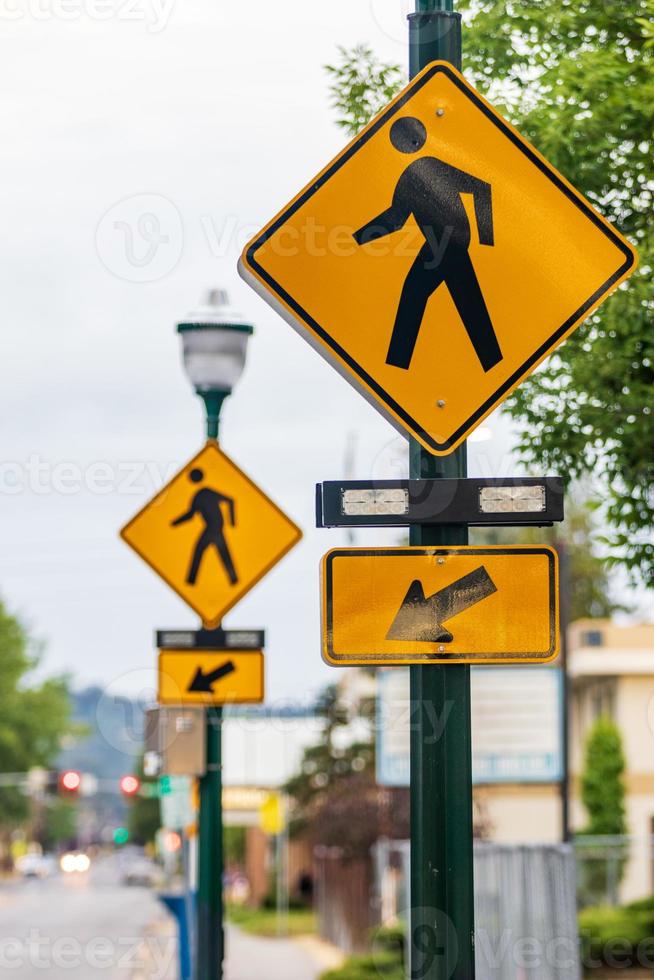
641	905
612	935
390	939
383	965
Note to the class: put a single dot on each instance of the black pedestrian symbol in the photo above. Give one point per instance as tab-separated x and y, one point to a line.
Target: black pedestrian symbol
431	190
207	504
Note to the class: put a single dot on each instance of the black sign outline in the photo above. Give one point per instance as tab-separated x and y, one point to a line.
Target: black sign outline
333	347
436	657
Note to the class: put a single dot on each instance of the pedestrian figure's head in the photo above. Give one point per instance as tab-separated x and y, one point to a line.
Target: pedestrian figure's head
196	475
408	135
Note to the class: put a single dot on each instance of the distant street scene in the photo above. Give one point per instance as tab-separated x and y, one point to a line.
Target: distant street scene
327	490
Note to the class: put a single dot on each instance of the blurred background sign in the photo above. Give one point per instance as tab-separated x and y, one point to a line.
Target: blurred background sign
516	725
271	814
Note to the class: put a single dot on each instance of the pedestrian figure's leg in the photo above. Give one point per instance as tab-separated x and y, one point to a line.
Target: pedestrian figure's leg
425	275
461	280
203	543
226	559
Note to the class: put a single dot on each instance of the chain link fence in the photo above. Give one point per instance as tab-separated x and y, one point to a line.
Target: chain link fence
525	907
612	869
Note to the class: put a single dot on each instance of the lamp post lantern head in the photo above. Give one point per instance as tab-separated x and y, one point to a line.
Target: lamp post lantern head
214	342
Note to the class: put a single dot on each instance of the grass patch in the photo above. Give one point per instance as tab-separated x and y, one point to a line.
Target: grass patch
263	922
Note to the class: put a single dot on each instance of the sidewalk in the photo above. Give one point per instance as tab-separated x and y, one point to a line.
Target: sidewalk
251	957
248	957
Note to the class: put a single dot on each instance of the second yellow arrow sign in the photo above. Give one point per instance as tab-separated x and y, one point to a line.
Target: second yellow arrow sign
211	677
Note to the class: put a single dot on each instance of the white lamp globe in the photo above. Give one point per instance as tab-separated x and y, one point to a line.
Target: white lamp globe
214	342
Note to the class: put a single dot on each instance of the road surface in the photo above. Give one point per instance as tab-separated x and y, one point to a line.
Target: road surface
82	926
88	926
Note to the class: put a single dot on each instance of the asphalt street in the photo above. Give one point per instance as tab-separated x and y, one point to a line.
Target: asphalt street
79	926
93	925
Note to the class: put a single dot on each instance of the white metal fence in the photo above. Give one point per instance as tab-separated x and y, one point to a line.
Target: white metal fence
525	907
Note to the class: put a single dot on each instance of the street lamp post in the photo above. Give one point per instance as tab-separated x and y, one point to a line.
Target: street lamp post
214	342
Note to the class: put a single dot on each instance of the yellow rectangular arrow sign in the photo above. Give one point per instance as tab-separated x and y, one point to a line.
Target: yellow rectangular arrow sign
386	606
211	677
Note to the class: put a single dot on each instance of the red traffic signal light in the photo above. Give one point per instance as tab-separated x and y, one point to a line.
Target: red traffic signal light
70	781
130	785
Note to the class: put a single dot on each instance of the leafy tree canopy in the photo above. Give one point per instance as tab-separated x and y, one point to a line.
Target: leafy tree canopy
34	718
576	78
588	582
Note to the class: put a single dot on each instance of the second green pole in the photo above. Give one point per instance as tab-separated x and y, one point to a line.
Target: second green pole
210	928
442	892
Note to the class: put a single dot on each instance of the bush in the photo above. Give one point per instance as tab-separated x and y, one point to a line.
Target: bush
643	907
390	939
383	965
613	935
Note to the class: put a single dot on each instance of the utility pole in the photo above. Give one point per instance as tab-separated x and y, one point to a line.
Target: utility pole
214	341
211	932
442	893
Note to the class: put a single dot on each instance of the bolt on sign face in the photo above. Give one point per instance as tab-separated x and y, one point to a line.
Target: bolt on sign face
211	534
211	677
437	260
397	606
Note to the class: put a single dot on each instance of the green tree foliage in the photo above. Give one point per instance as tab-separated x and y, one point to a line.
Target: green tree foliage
360	86
34	718
60	824
602	785
336	801
326	765
144	817
576	78
235	845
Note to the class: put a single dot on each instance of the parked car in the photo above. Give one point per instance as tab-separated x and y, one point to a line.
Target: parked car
141	872
35	865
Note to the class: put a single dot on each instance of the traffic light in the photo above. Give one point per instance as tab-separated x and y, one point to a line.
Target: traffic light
130	785
70	781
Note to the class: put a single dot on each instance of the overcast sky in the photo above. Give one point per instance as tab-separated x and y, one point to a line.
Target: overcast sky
209	117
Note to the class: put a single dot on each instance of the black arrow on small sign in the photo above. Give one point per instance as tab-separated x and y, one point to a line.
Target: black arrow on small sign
205	682
420	618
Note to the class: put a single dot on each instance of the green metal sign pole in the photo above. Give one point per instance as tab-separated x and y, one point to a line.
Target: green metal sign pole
210	935
442	906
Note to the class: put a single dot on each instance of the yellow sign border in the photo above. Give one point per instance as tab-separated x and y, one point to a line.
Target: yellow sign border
318	336
206	699
432	658
216	620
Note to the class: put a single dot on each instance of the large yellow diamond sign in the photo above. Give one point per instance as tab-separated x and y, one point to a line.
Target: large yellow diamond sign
437	260
390	606
211	534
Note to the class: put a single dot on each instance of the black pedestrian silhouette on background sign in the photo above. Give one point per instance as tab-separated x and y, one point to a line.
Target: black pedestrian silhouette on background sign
431	190
207	504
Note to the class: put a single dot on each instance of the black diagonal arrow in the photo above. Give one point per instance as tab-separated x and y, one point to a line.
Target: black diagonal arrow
205	682
420	618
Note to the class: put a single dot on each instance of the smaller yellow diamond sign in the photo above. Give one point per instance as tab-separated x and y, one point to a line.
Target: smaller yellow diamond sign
211	534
